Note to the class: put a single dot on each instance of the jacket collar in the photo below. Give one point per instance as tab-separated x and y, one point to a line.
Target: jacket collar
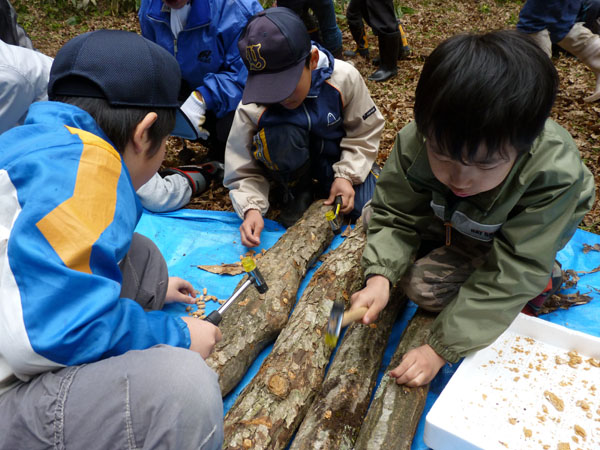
200	14
61	114
420	172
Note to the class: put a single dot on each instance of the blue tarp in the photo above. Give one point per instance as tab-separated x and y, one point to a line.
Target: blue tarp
188	238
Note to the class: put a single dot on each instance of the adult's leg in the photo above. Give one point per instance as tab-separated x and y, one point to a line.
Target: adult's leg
330	32
356	26
10	31
590	15
585	45
556	16
382	18
162	397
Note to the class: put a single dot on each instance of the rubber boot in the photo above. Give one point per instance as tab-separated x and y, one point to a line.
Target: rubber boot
403	50
388	52
193	174
585	45
542	39
534	306
362	45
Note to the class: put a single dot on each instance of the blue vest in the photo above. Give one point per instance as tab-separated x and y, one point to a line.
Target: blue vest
320	116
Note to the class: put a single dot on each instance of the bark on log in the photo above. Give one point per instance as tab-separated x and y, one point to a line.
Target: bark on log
395	411
255	320
336	415
270	408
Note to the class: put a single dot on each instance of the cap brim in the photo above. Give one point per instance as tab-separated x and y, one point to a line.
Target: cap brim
272	87
183	127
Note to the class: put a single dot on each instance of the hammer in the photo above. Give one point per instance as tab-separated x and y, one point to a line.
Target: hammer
333	216
339	319
254	277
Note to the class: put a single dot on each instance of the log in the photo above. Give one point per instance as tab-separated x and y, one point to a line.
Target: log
270	408
336	415
395	411
255	320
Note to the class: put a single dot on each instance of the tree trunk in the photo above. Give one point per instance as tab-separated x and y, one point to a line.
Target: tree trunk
269	409
335	417
395	411
255	320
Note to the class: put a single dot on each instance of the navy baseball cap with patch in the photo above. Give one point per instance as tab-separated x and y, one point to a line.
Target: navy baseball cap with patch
274	47
122	67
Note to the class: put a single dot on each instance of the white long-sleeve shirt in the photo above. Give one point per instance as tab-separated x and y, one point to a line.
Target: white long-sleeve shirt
24	77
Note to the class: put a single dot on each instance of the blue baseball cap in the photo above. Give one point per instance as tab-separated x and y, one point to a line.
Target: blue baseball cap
274	47
122	67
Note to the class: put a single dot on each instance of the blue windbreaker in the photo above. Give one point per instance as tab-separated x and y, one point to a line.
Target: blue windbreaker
67	214
206	48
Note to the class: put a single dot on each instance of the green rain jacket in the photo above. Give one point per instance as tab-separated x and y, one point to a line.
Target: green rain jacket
527	219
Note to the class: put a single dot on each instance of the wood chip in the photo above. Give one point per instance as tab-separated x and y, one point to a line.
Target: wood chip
555	401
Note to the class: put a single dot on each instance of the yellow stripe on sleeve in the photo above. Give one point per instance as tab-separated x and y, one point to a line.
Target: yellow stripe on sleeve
77	223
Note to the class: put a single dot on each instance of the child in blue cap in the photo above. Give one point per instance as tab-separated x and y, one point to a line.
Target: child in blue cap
306	124
87	359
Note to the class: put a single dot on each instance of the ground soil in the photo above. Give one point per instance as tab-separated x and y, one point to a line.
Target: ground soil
427	23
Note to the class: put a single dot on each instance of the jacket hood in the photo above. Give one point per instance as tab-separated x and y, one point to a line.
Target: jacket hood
320	74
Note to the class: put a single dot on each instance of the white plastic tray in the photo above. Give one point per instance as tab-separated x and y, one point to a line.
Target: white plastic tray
499	396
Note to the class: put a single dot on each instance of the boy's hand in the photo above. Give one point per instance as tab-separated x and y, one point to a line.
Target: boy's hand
418	367
374	296
180	290
203	335
342	187
251	228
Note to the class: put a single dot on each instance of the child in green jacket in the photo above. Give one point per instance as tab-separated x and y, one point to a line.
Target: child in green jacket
476	199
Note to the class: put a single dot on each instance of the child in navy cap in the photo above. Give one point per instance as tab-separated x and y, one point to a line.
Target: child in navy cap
306	123
87	359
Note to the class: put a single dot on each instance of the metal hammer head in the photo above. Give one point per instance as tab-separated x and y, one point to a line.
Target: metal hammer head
334	324
338	319
249	266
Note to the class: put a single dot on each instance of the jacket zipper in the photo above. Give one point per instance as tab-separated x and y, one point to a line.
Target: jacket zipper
307	117
447	211
170	31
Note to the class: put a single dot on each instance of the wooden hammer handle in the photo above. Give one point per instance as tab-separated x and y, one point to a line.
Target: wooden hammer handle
353	314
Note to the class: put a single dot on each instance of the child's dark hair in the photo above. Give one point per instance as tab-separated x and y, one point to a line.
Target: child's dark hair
495	89
119	122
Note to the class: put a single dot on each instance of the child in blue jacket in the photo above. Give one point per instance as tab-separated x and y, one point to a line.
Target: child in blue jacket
87	359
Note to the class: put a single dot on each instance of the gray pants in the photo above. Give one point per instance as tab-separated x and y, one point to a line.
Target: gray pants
159	398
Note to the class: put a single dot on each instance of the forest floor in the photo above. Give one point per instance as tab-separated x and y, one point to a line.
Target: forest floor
427	23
